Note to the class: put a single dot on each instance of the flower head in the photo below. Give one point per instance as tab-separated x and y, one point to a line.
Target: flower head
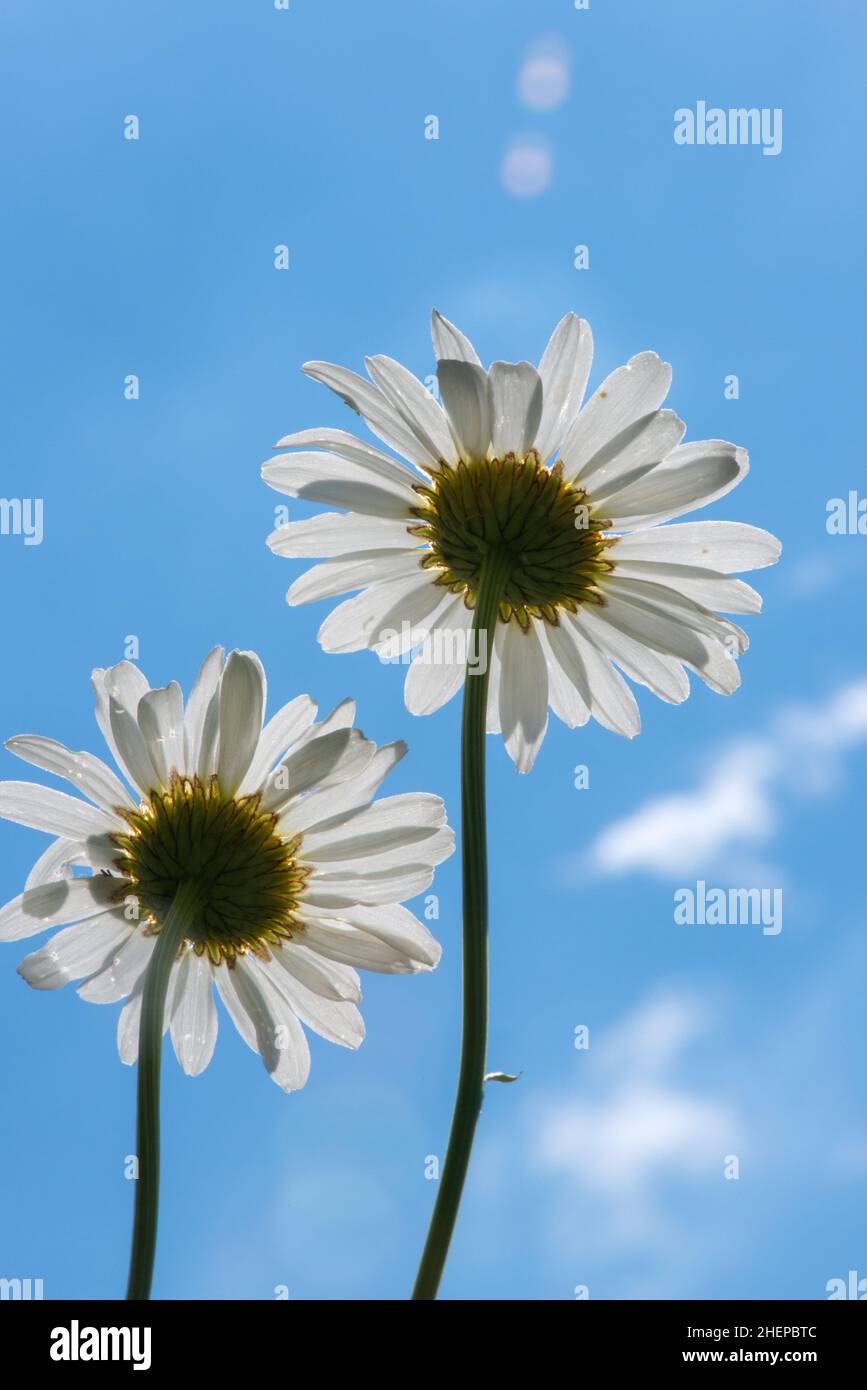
572	500
300	874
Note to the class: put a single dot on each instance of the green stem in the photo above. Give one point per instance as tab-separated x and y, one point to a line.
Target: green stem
474	855
179	919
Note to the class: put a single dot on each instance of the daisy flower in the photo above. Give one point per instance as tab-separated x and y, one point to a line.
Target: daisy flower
245	855
299	873
571	502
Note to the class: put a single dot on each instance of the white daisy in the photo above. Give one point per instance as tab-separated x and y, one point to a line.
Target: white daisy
571	499
301	872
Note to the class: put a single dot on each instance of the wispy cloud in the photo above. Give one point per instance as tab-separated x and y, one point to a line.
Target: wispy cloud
741	802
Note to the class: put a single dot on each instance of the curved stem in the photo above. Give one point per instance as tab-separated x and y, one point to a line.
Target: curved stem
176	926
474	856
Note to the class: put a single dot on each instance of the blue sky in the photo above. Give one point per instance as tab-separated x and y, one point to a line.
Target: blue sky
601	1167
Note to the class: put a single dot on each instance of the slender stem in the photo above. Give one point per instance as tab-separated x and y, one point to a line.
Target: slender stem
178	921
474	855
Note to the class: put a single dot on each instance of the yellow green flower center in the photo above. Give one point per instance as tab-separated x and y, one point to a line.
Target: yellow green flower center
555	547
250	876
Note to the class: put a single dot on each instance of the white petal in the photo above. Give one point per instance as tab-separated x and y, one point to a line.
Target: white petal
333	534
358	486
339	1022
346	889
679	631
450	342
386	939
416	407
202	696
339	800
56	863
129	1022
354	572
265	1022
437	672
523	695
379	414
128	684
122	973
242	704
620	641
393	822
464	392
564	370
659	599
692	476
398	928
728	546
607	695
321	762
64	900
88	774
515	403
323	976
161	720
563	695
630	455
42	808
381	614
76	951
194	1014
706	587
281	731
625	396
132	747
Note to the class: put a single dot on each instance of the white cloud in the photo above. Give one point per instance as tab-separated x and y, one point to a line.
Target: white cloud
635	1125
739	803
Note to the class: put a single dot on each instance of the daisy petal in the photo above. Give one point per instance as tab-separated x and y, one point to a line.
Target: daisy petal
630	455
122	973
281	731
201	697
324	977
662	674
242	704
464	392
76	951
269	1025
523	695
161	720
564	370
706	587
42	808
691	476
194	1015
450	342
331	480
416	407
606	694
338	1021
324	806
333	534
56	863
515	404
625	396
357	572
51	904
88	774
728	546
377	412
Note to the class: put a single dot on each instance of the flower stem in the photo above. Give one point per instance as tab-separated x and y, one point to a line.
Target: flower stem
175	927
474	856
